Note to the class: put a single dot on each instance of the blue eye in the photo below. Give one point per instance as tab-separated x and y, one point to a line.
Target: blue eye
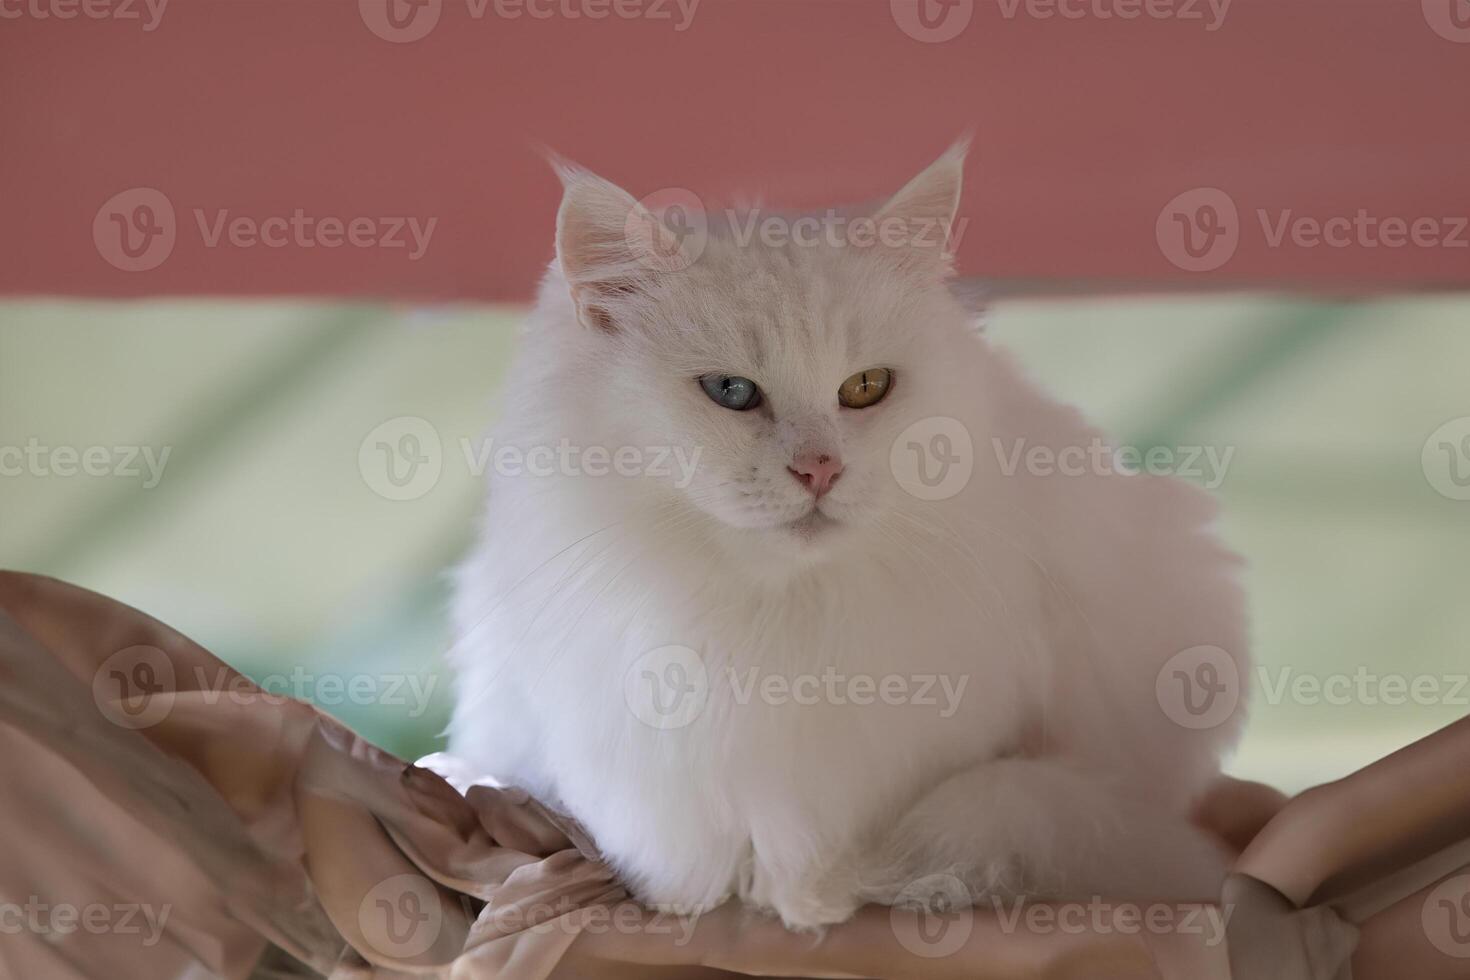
728	391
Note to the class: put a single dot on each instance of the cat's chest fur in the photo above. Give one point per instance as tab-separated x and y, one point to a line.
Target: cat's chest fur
739	725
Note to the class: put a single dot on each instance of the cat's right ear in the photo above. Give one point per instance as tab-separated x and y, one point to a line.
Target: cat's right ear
609	246
924	211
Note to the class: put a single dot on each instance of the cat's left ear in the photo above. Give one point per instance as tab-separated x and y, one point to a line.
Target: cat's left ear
609	245
918	223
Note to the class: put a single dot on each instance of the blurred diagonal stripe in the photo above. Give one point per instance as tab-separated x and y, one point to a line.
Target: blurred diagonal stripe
213	433
1302	329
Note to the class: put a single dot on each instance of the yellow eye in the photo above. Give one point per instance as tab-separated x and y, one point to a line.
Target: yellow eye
865	388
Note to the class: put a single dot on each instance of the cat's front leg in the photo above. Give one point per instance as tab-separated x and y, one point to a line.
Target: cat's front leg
679	898
807	896
672	860
692	886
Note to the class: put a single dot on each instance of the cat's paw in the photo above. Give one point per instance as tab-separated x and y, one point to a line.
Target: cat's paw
675	902
685	910
804	911
804	904
904	884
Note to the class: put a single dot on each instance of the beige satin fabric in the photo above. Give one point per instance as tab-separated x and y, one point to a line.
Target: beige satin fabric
141	771
228	828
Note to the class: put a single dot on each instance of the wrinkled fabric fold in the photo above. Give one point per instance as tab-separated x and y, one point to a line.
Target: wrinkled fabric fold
1272	939
252	819
243	834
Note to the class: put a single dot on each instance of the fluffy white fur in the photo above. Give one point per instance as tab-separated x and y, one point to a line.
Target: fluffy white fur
1059	598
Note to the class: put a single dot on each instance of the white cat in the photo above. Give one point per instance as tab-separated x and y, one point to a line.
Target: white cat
893	654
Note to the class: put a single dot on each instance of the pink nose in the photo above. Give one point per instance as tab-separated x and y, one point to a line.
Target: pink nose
817	470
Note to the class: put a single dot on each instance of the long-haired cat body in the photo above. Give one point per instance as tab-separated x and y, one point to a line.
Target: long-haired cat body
897	650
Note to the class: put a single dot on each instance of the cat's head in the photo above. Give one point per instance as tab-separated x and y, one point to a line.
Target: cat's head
783	353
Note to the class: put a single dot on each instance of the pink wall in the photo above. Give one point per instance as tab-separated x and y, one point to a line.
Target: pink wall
1086	128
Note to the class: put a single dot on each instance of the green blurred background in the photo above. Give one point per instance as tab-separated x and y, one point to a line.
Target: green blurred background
265	541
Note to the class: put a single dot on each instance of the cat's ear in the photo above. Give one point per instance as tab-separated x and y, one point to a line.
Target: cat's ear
609	246
919	220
